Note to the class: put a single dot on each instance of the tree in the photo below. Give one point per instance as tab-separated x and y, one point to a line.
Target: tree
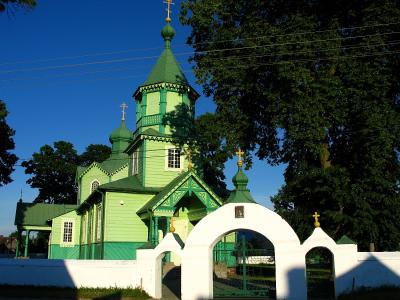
7	159
314	85
14	4
53	170
94	152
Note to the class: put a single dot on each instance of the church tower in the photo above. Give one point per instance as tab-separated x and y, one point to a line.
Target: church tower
154	159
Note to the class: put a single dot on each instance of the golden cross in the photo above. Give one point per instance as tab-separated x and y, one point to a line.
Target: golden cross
316	223
168	2
239	154
123	106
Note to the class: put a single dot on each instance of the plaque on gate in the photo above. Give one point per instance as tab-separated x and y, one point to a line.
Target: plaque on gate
239	211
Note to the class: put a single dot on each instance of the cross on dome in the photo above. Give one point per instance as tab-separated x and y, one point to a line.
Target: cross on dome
123	106
239	154
316	222
169	3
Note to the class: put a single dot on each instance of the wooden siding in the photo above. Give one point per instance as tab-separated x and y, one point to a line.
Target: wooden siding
153	103
121	221
93	174
56	228
157	175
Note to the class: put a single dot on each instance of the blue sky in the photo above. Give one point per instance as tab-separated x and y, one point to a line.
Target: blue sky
66	68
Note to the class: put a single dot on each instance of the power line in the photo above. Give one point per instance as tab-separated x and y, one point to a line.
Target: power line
237	66
186	53
195	44
390	43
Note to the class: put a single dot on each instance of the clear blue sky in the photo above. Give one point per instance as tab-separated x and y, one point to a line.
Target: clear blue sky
68	65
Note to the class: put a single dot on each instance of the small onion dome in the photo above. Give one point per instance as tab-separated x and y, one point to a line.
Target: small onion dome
121	133
168	32
240	179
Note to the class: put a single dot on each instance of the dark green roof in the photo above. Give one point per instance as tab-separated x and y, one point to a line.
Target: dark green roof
344	240
152	204
109	166
167	69
128	184
240	194
37	214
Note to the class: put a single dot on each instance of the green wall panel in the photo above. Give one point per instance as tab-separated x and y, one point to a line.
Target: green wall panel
121	221
121	250
57	252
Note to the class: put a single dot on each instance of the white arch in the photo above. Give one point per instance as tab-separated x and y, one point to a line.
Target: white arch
197	264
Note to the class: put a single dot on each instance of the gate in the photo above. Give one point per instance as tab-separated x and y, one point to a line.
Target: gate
243	271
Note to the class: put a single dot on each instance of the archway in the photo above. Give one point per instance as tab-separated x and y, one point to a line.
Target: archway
320	272
244	266
197	256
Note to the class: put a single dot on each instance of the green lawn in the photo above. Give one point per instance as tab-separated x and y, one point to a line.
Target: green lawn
9	291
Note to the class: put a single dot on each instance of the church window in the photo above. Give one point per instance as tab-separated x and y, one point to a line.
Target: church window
135	163
99	214
174	158
94	185
67	232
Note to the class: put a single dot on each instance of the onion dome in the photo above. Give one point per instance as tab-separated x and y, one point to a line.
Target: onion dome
120	139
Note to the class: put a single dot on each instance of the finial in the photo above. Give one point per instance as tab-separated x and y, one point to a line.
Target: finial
168	2
239	154
123	106
20	198
316	222
171	226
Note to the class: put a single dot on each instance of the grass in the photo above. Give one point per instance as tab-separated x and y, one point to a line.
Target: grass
71	293
384	292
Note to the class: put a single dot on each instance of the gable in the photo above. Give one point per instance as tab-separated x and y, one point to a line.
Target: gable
187	183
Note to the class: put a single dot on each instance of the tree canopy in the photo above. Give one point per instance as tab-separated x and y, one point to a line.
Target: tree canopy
313	85
14	4
7	159
53	170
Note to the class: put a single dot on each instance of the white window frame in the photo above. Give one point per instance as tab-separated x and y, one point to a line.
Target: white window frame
91	185
181	160
67	243
135	162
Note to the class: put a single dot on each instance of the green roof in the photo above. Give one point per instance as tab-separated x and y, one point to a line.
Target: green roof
109	166
240	194
37	214
167	69
128	184
344	240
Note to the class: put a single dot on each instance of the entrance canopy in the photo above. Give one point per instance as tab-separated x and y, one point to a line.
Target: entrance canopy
188	184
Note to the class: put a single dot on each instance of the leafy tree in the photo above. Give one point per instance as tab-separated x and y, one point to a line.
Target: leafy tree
53	170
314	85
7	159
94	152
14	4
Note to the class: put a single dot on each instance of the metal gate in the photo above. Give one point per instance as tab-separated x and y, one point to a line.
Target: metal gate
241	271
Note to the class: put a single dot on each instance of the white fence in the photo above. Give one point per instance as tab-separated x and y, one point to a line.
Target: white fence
70	273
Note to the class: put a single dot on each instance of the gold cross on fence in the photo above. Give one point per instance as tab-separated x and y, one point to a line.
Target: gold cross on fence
316	222
239	154
123	106
169	3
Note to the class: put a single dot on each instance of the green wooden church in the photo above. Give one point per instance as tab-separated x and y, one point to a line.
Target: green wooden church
129	200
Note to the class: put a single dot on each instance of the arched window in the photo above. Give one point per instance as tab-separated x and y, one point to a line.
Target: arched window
94	186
